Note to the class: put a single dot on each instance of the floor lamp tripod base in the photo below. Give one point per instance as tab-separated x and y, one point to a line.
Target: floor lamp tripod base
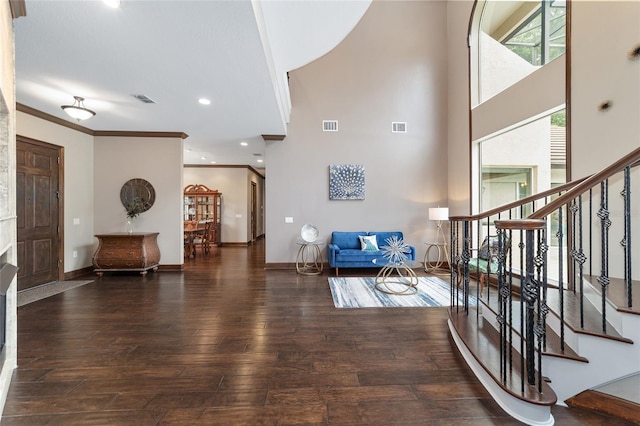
442	264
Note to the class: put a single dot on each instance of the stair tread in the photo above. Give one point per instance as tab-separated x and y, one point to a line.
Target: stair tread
617	293
594	400
627	388
592	318
483	342
553	343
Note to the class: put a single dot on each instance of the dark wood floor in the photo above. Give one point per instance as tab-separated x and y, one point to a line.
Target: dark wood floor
227	343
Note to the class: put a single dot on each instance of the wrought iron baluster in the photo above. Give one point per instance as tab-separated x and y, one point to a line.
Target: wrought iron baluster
560	237
591	232
522	310
605	222
627	236
502	318
543	308
466	255
530	294
581	259
453	271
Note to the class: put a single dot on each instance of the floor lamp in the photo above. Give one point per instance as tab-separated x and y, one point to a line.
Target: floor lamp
439	215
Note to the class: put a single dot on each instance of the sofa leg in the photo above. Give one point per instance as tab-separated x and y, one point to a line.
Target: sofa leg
336	271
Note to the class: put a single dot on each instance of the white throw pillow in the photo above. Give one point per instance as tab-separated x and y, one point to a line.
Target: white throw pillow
368	242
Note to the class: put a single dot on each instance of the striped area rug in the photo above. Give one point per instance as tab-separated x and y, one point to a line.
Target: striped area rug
353	292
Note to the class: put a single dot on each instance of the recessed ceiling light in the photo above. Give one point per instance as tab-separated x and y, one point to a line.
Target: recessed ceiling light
204	101
187	150
260	161
203	158
244	143
112	3
213	162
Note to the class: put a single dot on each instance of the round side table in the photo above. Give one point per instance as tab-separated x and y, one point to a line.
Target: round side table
309	259
443	255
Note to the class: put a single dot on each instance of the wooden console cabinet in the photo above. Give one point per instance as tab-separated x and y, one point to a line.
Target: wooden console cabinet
121	251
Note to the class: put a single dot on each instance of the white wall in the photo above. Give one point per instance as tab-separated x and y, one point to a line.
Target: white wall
391	67
157	160
233	183
78	185
8	236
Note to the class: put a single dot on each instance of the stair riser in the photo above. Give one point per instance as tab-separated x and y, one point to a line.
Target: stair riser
570	377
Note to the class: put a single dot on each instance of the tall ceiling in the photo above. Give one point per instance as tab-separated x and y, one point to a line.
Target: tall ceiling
235	53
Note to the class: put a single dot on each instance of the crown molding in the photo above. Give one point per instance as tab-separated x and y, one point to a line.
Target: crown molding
140	134
273	137
52	118
225	166
131	134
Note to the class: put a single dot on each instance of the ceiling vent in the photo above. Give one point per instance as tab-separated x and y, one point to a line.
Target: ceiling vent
257	154
330	125
144	99
398	127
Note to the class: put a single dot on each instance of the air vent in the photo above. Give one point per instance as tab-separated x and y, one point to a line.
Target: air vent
144	99
398	127
330	125
257	154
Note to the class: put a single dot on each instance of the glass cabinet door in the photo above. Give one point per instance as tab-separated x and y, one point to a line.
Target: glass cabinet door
189	212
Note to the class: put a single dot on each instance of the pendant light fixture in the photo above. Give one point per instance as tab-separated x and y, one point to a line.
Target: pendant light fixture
78	110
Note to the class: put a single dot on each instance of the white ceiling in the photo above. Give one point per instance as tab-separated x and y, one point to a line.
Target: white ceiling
235	53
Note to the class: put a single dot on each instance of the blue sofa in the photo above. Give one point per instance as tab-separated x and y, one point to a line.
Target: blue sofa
345	250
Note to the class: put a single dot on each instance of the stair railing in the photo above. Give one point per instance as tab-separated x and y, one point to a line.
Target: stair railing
531	281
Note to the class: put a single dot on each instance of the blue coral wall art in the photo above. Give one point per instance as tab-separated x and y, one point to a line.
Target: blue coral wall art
346	182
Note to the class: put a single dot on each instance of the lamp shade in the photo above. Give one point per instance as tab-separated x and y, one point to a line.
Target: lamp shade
78	110
439	213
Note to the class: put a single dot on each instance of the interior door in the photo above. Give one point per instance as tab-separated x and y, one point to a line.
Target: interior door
38	210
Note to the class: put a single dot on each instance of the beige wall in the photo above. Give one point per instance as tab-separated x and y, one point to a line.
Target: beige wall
8	210
601	137
157	160
78	185
391	67
234	183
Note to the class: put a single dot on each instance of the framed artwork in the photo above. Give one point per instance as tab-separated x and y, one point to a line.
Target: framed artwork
346	182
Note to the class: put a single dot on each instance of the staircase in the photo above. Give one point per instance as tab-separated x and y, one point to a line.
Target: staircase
560	321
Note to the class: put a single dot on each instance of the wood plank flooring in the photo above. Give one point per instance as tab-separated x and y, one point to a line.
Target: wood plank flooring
226	342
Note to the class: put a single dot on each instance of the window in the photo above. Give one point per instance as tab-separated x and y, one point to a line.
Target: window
515	38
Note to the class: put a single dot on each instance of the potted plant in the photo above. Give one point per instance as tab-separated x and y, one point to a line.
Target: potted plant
133	209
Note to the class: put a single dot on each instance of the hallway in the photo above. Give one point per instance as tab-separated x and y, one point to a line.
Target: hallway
226	342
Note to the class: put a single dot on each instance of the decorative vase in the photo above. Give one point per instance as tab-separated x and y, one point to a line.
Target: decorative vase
130	226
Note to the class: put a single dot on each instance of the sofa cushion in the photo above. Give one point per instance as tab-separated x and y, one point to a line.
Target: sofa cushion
383	236
357	255
346	240
368	242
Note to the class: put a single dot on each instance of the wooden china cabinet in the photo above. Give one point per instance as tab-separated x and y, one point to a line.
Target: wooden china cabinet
204	204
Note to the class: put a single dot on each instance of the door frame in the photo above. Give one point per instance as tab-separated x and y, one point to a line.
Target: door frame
254	214
60	189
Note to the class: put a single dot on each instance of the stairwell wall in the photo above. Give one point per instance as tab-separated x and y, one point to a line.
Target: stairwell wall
391	67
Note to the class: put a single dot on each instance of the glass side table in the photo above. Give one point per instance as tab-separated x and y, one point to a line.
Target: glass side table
309	259
443	255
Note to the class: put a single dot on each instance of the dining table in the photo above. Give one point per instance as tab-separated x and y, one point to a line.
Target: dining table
192	231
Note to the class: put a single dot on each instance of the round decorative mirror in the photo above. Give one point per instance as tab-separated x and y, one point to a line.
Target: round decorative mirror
138	191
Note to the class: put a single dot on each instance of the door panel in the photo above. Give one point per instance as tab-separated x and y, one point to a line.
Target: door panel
37	208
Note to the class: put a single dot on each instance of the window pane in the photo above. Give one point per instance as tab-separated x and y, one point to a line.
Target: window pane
515	39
